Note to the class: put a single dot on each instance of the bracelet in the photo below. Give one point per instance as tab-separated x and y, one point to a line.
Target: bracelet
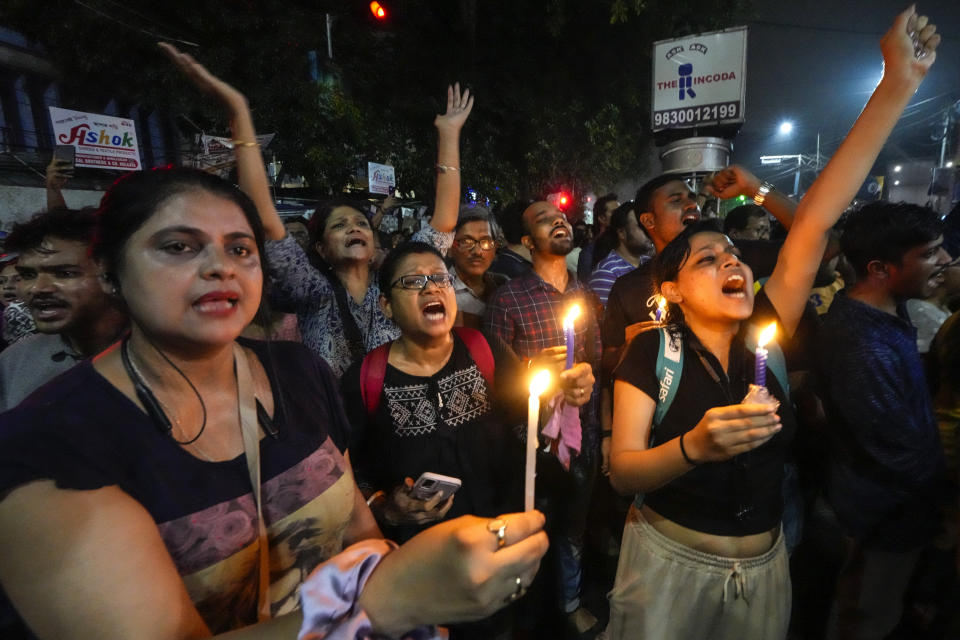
241	143
683	450
442	168
761	194
376	494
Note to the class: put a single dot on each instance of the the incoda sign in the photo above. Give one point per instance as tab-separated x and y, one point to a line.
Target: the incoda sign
699	80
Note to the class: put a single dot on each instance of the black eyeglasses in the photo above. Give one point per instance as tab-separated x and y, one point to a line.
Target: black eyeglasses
418	282
467	244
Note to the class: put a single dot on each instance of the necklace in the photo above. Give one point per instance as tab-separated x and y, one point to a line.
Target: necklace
155	408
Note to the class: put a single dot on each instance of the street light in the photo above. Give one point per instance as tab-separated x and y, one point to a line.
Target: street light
897	169
786	128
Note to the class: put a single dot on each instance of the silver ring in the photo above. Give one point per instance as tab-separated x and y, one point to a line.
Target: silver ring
498	527
516	595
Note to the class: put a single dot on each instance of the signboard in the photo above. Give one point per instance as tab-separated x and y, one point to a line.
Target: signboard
380	178
215	154
699	80
103	142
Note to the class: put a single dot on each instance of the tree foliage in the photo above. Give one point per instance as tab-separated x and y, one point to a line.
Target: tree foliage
562	87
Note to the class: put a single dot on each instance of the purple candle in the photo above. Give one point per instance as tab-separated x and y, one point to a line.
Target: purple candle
760	371
569	335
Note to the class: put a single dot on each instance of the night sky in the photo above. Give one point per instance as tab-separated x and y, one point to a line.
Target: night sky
815	63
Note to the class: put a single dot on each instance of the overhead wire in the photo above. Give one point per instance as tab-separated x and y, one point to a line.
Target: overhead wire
152	34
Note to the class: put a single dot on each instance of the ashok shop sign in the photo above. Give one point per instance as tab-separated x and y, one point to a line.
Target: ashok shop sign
103	142
699	80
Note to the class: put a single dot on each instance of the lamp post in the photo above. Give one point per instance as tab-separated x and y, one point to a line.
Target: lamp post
785	128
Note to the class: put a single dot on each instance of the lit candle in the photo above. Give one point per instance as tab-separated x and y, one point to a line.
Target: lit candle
538	384
569	335
760	372
661	307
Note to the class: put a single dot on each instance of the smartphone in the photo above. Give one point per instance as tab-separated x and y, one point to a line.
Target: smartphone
65	153
429	484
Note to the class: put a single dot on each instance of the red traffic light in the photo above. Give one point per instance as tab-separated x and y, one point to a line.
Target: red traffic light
560	199
378	11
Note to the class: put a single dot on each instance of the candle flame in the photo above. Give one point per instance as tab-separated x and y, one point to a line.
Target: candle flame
539	382
572	315
661	304
767	334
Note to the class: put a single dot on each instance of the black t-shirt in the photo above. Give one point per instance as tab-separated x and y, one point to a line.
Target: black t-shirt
737	497
631	300
444	423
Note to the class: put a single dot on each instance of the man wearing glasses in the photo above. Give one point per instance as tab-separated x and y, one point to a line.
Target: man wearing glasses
472	254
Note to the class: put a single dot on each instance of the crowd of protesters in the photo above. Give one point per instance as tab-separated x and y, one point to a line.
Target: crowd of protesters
217	420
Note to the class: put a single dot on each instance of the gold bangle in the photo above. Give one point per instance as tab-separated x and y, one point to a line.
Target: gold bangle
241	143
442	168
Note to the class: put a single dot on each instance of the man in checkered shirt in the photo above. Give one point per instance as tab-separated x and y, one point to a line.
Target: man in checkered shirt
527	314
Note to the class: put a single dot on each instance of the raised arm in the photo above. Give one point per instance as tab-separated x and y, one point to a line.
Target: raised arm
251	173
836	186
58	172
736	181
448	158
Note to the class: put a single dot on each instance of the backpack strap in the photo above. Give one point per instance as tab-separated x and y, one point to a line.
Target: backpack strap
479	350
669	368
373	370
776	362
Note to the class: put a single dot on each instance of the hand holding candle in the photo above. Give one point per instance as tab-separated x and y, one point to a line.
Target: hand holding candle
538	384
569	334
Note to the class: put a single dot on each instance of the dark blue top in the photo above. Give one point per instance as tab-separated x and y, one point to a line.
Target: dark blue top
886	454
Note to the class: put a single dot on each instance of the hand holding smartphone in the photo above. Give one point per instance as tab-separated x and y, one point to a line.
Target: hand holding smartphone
429	485
63	162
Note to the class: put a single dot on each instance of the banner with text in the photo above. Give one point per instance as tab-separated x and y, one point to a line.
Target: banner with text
381	178
699	80
103	142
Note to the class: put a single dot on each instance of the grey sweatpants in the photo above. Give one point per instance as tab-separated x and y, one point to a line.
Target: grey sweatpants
667	590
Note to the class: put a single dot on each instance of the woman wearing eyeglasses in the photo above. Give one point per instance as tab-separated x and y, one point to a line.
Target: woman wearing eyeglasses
431	410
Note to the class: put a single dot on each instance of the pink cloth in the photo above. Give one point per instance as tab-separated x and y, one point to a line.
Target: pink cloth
563	430
329	595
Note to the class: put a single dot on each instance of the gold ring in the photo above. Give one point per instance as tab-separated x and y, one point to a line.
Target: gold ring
498	527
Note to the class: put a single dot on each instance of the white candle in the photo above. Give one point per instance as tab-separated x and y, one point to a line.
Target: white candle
538	384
